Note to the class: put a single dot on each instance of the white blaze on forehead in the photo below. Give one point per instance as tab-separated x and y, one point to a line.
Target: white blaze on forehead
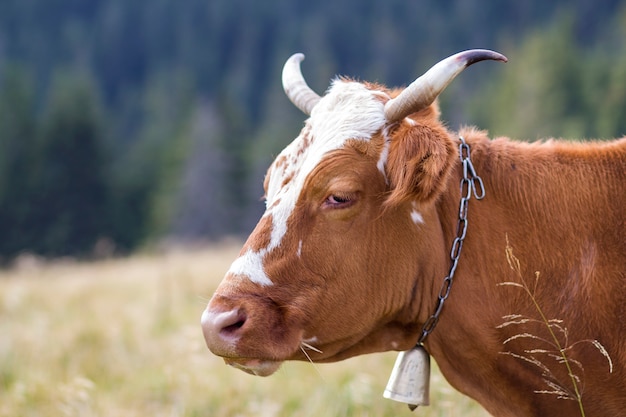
348	111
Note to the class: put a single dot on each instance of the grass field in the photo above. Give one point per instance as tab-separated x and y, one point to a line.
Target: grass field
122	338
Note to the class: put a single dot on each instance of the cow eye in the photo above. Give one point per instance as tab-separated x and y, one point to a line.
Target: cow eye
339	201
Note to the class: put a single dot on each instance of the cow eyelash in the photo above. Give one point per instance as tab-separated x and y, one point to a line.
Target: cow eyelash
339	201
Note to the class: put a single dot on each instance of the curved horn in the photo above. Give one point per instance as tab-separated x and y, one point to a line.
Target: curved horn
296	88
422	92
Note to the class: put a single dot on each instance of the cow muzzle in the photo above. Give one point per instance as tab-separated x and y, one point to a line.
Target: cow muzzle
222	331
251	331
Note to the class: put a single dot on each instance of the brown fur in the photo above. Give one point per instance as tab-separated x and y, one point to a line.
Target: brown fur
420	160
367	277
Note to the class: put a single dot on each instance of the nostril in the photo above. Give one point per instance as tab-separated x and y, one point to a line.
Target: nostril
232	328
226	324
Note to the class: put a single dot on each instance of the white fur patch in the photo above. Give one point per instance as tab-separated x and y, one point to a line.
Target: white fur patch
416	216
382	160
348	111
250	265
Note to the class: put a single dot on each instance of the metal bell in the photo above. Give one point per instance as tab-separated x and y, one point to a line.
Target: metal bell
410	378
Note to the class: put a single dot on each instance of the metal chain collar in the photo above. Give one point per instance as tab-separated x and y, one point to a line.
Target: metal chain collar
471	183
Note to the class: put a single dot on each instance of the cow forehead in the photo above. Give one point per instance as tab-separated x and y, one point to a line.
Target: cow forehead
349	110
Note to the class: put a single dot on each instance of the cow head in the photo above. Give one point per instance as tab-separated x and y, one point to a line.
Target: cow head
350	237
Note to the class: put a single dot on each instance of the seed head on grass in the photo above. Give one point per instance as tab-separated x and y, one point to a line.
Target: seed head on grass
551	349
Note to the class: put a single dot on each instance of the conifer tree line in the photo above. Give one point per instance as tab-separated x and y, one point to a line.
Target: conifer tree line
129	122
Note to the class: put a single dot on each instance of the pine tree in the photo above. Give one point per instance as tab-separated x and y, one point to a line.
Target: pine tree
17	161
71	190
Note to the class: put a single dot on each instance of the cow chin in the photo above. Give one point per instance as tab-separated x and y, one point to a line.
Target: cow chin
254	366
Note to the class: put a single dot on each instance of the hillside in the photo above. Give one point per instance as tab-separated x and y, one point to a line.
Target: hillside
124	123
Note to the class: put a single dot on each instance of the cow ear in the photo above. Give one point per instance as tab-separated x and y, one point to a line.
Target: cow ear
421	155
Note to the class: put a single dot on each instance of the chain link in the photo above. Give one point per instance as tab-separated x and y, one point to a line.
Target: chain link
471	184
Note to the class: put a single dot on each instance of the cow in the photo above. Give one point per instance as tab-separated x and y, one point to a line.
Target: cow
377	214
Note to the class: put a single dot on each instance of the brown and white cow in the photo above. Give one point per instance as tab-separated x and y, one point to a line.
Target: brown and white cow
362	210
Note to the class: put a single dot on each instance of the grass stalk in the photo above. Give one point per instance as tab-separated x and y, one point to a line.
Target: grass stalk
555	329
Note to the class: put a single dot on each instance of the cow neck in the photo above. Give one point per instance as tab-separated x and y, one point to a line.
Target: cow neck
471	184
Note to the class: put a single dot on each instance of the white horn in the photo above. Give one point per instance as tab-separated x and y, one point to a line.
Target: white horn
300	94
422	92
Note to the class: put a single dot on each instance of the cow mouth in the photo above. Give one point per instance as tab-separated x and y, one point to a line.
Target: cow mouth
256	367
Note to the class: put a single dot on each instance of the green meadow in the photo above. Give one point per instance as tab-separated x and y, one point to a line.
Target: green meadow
121	337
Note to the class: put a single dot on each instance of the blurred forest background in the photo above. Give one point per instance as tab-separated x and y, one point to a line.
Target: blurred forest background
124	123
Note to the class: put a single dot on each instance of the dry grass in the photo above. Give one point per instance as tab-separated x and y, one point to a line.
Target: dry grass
122	338
551	350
